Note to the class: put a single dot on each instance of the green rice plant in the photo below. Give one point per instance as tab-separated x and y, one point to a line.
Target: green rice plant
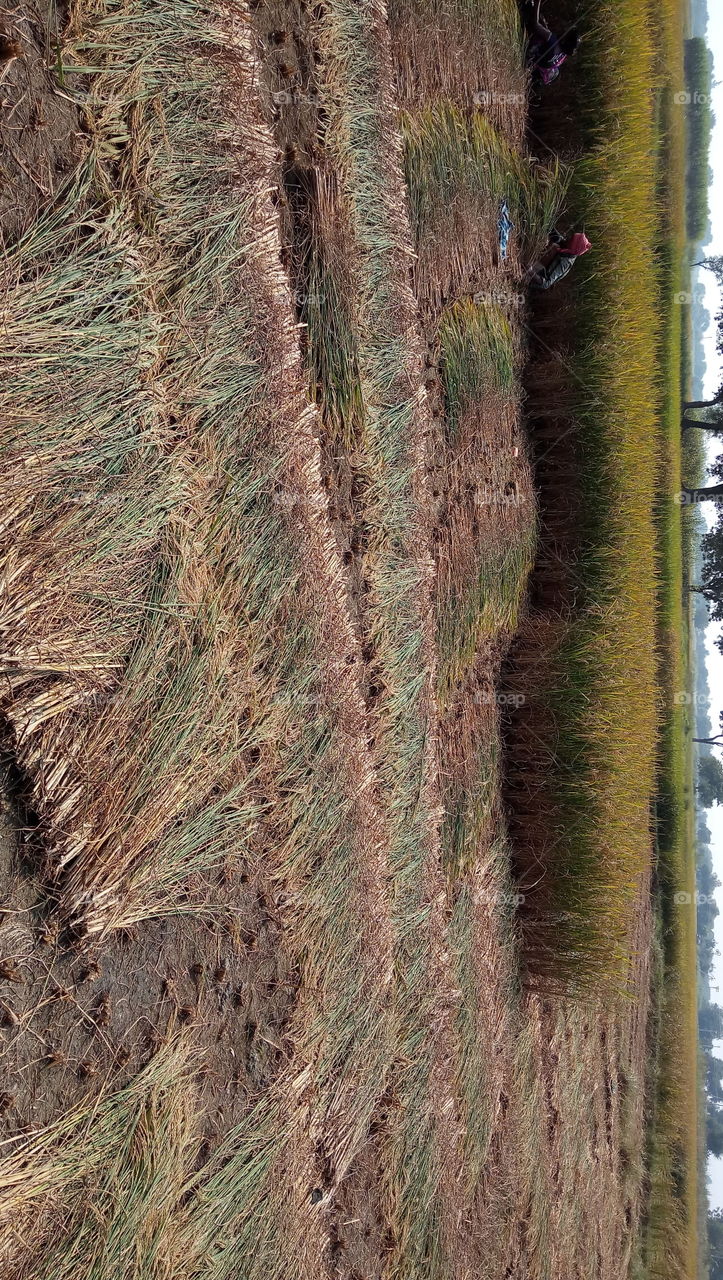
459	170
478	352
676	1153
596	705
611	680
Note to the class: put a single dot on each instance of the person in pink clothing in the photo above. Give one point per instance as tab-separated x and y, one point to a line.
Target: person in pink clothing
567	251
546	52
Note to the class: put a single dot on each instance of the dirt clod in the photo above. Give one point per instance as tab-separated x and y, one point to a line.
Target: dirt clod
9	49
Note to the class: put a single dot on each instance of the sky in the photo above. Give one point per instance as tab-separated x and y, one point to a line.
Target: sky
714	817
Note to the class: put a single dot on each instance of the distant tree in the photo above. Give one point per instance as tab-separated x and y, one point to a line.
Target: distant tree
715	1243
702	830
711	572
706	877
714	1077
711	565
716	739
706	882
698	80
706	916
714	1130
713	493
702	424
710	1024
705	404
713	422
714	264
710	781
701	614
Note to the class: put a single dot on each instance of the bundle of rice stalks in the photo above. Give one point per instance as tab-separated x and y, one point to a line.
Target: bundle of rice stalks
115	1188
216	715
471	52
459	170
98	1194
424	1143
135	545
326	286
479	354
487	545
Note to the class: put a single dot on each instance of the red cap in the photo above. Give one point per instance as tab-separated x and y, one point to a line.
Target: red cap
577	245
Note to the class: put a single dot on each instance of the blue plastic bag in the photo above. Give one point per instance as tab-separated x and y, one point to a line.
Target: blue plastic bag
505	226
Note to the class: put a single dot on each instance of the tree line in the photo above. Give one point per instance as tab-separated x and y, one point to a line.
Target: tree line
712	408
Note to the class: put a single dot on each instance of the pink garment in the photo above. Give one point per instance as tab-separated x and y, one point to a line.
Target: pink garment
576	245
551	71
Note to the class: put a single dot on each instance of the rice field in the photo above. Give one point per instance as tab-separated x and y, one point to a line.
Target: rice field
275	552
597	699
649	532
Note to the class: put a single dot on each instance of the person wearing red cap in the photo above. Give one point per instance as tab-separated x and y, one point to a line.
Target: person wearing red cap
567	251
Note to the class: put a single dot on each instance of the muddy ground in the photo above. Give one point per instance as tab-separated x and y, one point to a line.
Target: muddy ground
76	1018
41	132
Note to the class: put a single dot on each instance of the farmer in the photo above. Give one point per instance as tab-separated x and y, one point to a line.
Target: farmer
546	53
567	252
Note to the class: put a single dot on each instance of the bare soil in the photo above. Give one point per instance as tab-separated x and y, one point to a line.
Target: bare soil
76	1019
41	132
